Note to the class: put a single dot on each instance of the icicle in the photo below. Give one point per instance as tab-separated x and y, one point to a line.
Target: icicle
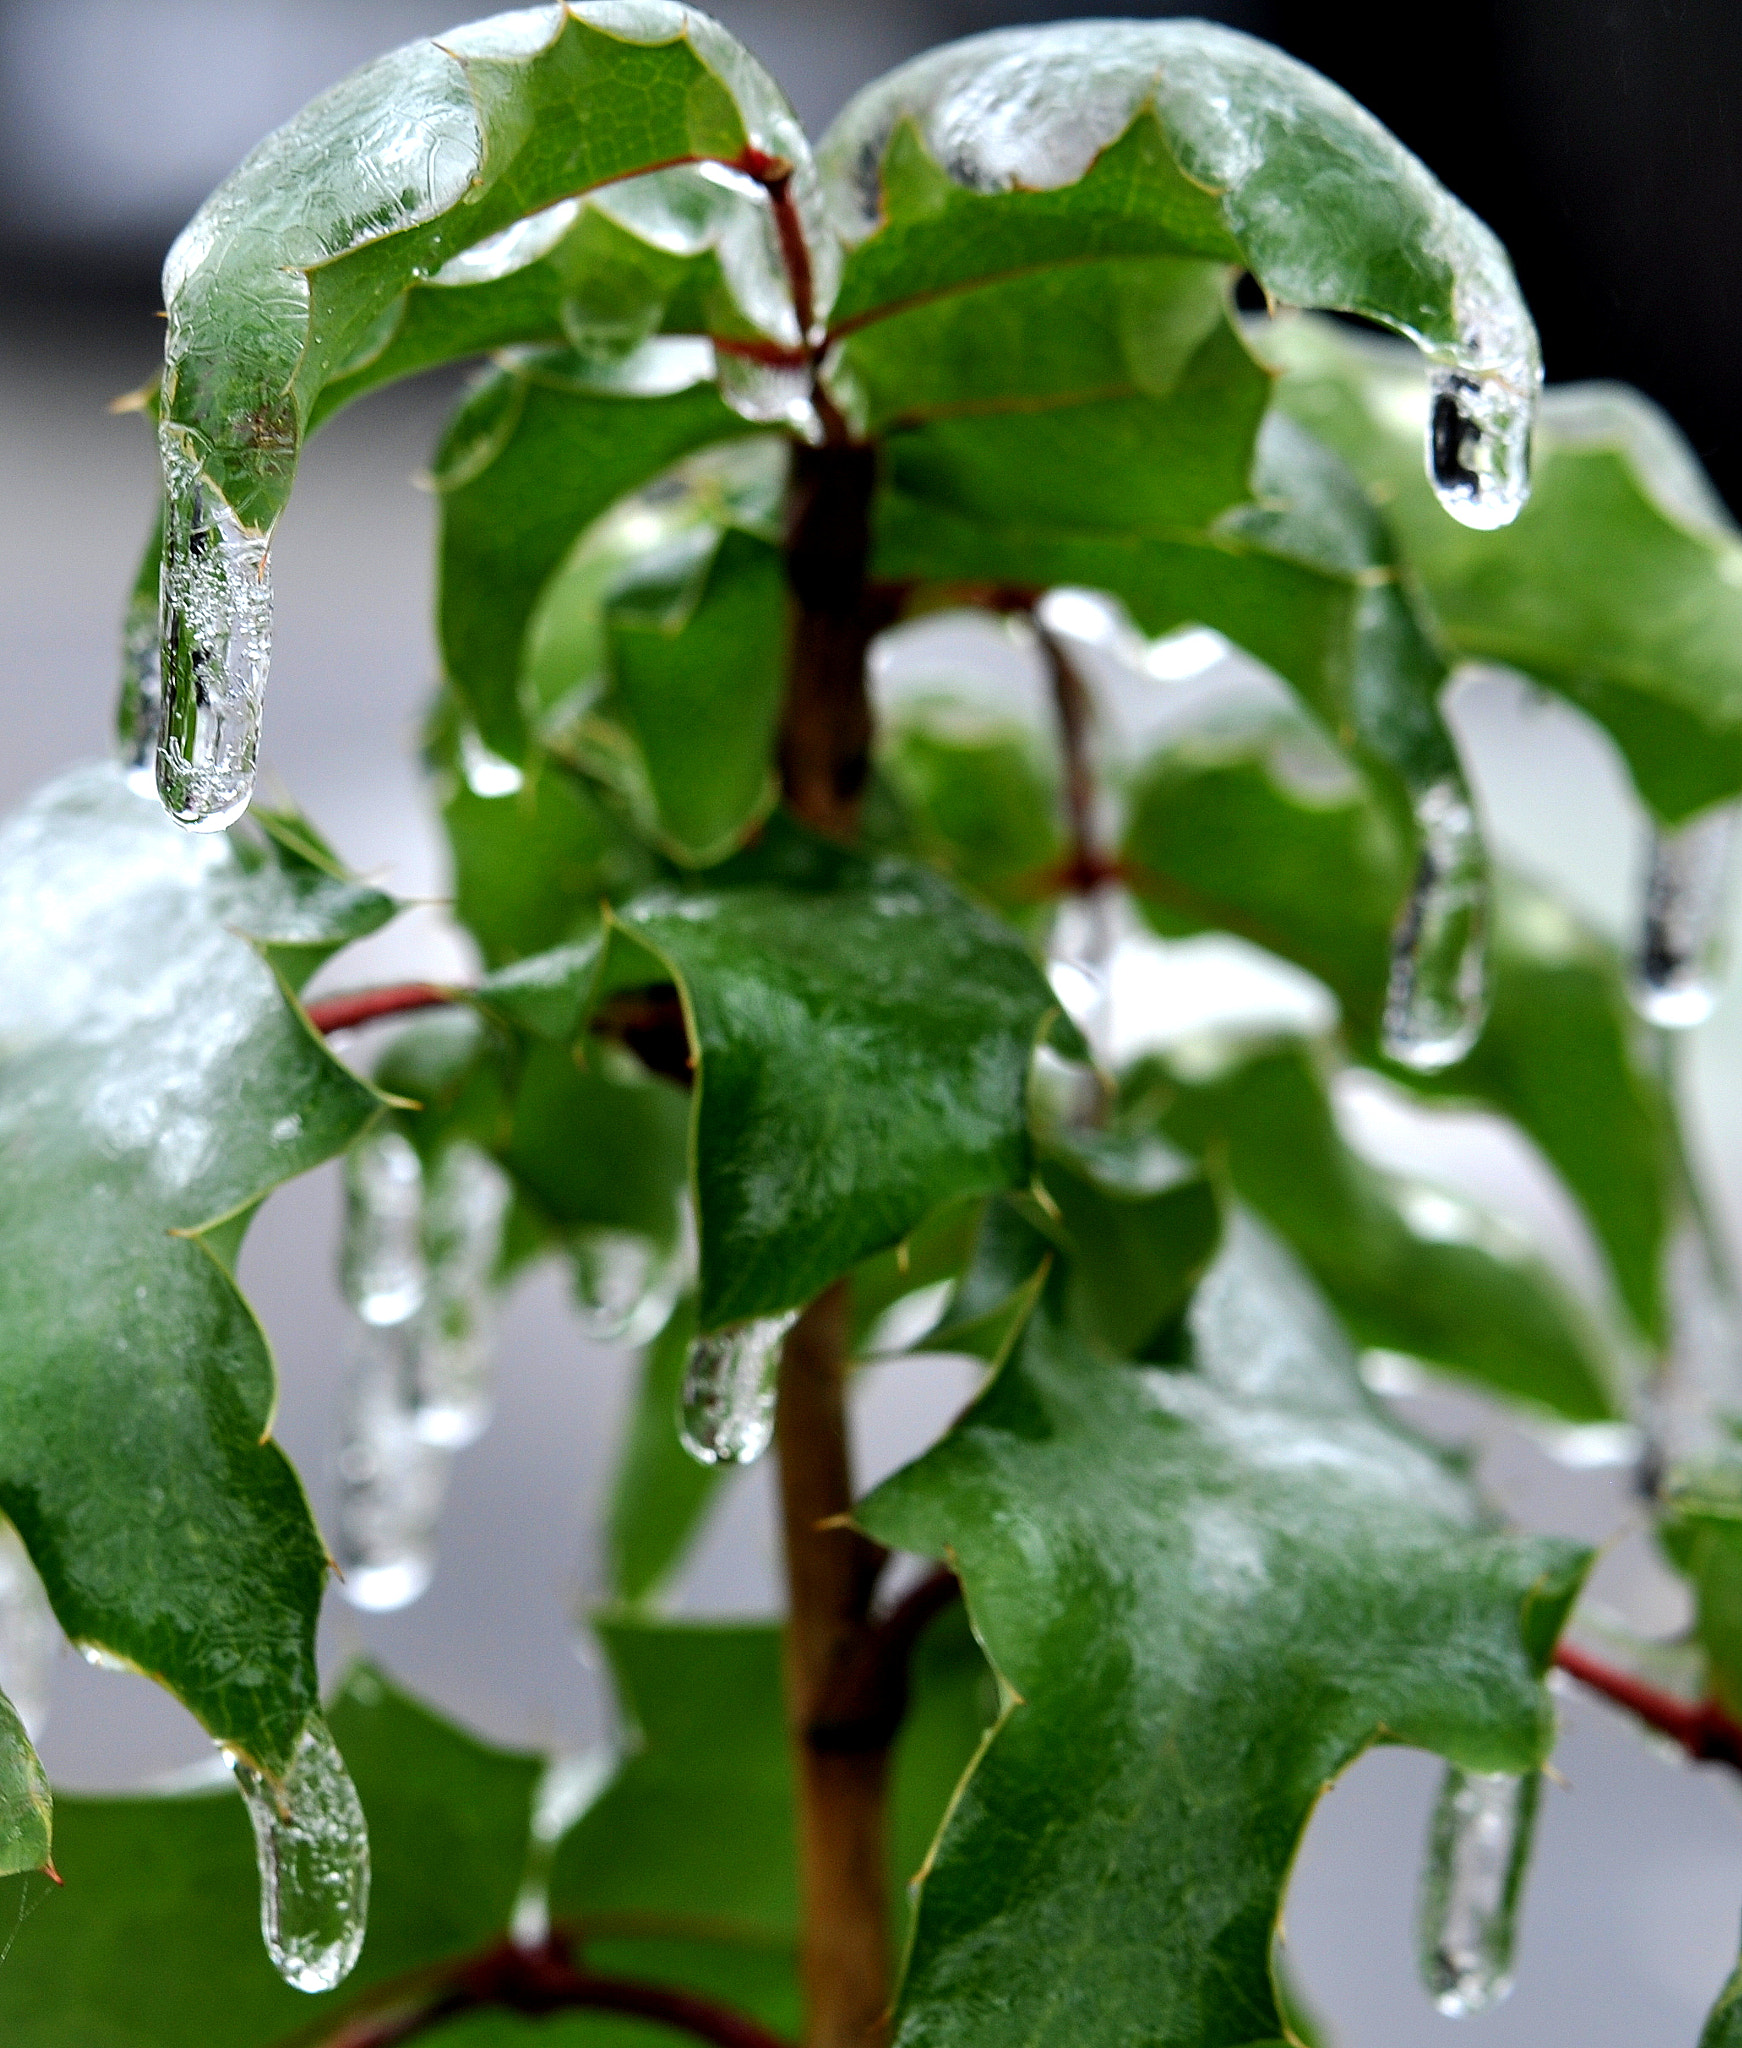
141	706
452	1339
1085	936
626	1284
216	594
1681	940
28	1634
391	1482
1438	994
1478	1847
569	1786
313	1850
769	394
381	1264
1478	442
730	1381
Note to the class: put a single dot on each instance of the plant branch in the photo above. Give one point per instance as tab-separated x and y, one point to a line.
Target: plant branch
540	1981
1705	1730
364	1005
1086	867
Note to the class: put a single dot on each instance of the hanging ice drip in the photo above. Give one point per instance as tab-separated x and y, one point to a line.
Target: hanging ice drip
216	587
1682	937
381	1264
452	1337
731	1378
627	1283
1478	442
29	1634
1437	997
392	1483
1478	1850
312	1848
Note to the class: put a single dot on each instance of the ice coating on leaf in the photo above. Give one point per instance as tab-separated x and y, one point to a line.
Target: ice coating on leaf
381	1264
140	699
769	394
215	642
1679	966
312	1847
731	1378
1327	208
29	1635
511	248
1437	999
1478	1850
391	1482
452	1339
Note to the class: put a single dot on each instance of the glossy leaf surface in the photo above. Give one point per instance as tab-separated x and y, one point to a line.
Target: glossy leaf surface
156	1085
26	1810
1206	1590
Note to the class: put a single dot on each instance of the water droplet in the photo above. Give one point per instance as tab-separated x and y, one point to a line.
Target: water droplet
769	394
626	1284
1682	937
381	1264
312	1847
29	1634
1438	995
1478	443
141	701
1478	1847
487	773
452	1340
730	1381
216	615
391	1482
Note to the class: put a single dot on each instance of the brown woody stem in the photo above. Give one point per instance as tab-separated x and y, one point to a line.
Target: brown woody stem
1704	1730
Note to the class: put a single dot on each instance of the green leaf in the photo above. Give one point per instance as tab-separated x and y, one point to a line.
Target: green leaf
1244	831
862	1038
153	1942
1408	1267
157	1083
1158	139
26	1810
660	1493
533	456
594	1145
697	653
292	269
1620	586
1206	1591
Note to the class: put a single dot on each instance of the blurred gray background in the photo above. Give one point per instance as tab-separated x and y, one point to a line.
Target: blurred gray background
114	121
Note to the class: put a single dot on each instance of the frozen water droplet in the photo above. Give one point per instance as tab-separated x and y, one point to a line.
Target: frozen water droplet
141	703
1438	995
487	773
391	1482
29	1634
1681	940
730	1381
381	1263
769	394
313	1851
626	1284
1478	1847
1478	443
216	620
452	1341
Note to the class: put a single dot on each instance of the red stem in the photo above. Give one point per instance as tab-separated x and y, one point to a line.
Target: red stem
361	1006
541	1981
1705	1731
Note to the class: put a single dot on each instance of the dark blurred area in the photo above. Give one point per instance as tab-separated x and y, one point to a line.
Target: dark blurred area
1600	138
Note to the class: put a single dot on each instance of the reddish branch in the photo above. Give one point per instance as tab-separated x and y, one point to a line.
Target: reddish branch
1705	1731
363	1005
541	1981
1086	868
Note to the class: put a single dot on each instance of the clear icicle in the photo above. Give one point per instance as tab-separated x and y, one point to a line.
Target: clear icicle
313	1850
381	1263
453	1338
29	1634
730	1381
216	598
626	1284
1478	442
1681	941
391	1482
1437	1000
769	394
1478	1847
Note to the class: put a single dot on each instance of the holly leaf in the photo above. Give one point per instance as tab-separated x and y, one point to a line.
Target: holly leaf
1408	1267
294	269
26	1809
1206	1590
156	1082
1620	586
819	989
153	1940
